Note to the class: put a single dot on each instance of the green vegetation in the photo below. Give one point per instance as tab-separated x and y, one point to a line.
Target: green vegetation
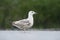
48	12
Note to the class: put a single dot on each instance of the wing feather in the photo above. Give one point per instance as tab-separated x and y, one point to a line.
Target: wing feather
22	23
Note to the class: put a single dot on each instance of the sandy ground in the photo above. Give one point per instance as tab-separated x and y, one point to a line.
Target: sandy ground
29	35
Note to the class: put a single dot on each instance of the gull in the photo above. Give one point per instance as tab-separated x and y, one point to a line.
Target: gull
25	23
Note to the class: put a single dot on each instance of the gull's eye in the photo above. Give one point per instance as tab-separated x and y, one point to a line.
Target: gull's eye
32	12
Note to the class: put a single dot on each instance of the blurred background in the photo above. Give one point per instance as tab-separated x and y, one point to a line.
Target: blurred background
48	13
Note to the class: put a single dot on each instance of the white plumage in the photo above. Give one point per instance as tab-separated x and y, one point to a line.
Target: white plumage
25	23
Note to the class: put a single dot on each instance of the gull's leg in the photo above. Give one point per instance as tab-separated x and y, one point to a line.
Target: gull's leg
24	30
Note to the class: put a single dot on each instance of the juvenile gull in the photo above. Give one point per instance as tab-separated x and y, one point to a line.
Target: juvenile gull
25	23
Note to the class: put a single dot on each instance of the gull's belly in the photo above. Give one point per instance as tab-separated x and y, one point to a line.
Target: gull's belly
28	26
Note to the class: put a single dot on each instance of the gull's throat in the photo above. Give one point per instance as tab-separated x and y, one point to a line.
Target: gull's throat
30	18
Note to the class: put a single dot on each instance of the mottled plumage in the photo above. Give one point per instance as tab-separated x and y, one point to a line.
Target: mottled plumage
25	23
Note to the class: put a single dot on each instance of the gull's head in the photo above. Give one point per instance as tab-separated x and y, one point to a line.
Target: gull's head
32	12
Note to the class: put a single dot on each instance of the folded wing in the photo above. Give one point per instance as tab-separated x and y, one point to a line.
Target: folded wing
23	24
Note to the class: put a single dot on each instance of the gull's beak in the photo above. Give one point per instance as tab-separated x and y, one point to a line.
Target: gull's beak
36	13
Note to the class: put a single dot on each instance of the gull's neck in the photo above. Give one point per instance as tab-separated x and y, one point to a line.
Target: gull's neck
30	18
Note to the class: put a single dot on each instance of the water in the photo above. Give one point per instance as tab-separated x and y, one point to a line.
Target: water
30	35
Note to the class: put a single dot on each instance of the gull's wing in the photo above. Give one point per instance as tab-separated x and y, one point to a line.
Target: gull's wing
22	23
